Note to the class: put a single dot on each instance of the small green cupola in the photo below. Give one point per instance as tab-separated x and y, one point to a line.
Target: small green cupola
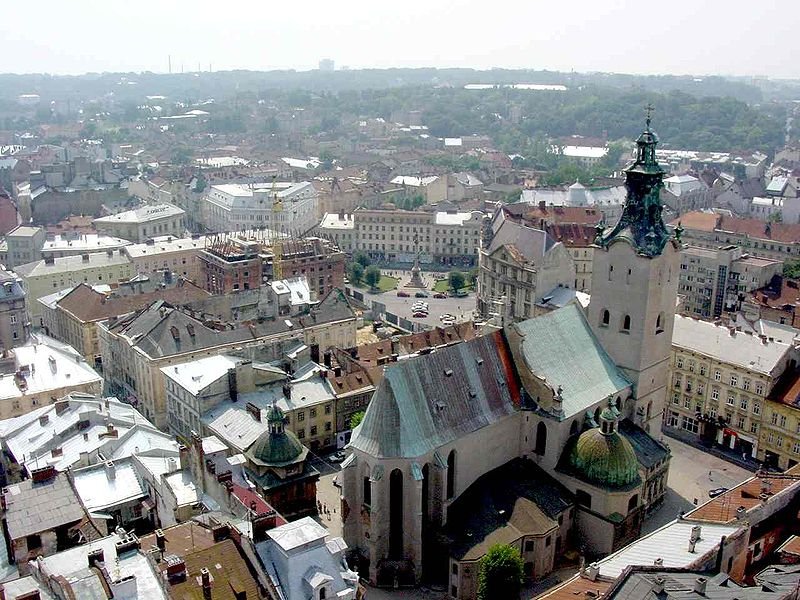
602	457
276	447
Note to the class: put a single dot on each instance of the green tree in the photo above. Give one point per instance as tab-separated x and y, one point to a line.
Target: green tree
355	271
456	280
791	269
362	259
372	276
500	573
472	276
356	418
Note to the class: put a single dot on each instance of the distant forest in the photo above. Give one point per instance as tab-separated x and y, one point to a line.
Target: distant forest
710	113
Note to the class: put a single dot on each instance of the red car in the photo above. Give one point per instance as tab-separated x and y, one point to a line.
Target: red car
440	295
420	315
402	294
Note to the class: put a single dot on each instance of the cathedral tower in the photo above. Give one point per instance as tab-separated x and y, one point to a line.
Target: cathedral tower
634	287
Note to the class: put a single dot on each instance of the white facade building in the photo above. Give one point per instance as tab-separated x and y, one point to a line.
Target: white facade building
289	207
145	222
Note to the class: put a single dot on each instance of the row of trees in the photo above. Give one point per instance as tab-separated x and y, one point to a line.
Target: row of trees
361	270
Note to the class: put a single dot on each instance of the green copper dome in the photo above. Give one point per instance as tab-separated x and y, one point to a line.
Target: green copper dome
276	447
604	459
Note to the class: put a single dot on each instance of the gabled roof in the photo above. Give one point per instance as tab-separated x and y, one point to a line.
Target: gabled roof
160	330
561	348
426	402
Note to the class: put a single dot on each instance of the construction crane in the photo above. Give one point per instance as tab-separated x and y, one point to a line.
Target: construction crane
277	244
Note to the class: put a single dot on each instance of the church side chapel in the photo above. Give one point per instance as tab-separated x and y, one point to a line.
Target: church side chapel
544	435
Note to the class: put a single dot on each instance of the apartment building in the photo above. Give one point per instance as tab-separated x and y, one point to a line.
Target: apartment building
144	222
778	241
279	206
446	238
713	280
721	380
178	255
41	372
72	315
230	264
135	348
14	320
23	245
517	267
320	261
50	274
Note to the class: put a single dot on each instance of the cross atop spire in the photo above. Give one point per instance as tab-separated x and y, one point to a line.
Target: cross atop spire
648	111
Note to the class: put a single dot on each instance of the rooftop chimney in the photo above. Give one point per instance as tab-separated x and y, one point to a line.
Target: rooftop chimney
161	540
592	572
44	474
658	585
205	577
695	535
111	469
659	562
700	585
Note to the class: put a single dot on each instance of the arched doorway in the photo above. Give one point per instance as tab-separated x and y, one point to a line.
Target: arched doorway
541	439
396	515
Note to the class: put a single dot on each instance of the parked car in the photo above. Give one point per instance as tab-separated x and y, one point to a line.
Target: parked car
402	294
337	456
419	314
421	295
439	295
447	316
717	492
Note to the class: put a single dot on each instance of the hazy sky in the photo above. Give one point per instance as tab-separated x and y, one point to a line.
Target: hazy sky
679	36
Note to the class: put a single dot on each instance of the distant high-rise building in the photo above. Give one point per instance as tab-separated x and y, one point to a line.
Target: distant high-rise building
326	64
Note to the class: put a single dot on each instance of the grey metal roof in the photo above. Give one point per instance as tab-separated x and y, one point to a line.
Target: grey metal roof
680	584
37	507
151	331
649	451
426	402
561	348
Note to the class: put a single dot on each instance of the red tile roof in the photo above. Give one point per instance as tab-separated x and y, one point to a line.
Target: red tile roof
248	497
709	222
722	509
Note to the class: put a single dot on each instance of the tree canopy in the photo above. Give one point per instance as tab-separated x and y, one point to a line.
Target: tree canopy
500	573
372	276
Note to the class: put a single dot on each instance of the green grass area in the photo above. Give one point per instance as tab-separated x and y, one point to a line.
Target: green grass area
444	287
387	283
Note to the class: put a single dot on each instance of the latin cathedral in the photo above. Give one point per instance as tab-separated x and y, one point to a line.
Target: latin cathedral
544	434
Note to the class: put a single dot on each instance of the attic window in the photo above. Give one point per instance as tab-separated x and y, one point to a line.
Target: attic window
448	372
473	394
176	335
479	361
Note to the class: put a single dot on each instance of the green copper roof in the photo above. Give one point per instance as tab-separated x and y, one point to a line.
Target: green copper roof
279	449
561	348
641	223
607	461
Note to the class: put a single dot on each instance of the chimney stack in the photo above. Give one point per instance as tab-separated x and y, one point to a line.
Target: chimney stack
658	585
700	585
161	540
592	572
205	577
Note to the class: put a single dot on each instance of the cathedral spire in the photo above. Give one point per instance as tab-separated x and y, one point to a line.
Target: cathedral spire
641	223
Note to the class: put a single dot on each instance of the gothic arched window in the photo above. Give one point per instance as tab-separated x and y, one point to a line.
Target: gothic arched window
605	317
660	323
626	323
541	439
